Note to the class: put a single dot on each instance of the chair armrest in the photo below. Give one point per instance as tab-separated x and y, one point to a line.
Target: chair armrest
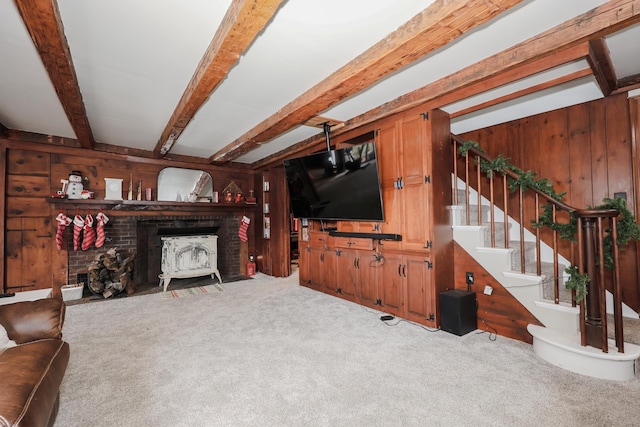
33	320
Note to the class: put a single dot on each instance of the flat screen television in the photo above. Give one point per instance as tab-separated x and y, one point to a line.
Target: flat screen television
340	184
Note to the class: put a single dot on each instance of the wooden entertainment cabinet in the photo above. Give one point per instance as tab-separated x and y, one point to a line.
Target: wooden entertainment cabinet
400	275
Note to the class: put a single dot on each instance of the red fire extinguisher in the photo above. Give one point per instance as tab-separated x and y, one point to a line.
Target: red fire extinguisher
251	266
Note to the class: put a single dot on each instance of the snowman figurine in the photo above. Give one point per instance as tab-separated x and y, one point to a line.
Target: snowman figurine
75	187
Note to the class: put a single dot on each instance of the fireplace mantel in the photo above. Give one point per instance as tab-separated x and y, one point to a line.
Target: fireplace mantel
151	206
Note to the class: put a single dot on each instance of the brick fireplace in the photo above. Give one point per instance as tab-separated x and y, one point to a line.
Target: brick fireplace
131	234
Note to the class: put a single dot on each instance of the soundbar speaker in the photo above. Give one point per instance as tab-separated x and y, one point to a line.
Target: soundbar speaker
458	312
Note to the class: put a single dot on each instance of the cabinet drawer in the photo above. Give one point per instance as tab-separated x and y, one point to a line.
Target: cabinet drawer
353	243
319	238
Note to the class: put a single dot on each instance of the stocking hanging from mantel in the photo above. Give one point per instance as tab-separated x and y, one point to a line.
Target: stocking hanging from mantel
101	220
63	222
244	225
78	223
89	234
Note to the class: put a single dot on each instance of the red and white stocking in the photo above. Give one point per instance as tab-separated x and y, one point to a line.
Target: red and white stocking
244	225
63	222
101	220
89	234
78	223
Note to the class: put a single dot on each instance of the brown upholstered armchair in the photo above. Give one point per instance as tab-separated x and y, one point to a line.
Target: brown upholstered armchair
32	371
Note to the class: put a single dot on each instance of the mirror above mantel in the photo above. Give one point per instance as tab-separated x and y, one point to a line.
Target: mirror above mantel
184	185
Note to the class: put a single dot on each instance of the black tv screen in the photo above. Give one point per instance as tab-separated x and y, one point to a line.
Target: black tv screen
340	184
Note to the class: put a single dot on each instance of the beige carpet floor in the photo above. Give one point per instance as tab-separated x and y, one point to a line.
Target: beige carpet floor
267	352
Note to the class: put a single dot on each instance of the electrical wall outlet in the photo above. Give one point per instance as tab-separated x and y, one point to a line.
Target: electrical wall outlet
488	290
470	278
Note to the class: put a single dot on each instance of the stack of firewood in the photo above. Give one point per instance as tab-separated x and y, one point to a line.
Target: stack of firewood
110	275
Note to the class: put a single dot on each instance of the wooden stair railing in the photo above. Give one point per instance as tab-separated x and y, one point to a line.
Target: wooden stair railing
587	252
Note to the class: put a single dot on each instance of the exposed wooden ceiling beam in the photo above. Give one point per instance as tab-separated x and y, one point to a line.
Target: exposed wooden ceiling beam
523	92
242	23
42	19
628	83
440	23
544	63
602	66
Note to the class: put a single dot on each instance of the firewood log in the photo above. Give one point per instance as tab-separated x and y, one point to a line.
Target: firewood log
111	263
96	286
129	285
118	286
103	275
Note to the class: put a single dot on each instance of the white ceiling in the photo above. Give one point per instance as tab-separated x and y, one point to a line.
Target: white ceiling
133	60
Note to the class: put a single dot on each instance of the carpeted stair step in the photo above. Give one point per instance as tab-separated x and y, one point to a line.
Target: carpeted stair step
499	234
547	275
461	196
473	210
548	282
529	255
473	213
545	267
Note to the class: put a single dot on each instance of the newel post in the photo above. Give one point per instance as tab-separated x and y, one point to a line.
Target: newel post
593	316
591	250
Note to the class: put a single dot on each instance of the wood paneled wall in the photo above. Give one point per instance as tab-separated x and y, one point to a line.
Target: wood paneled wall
586	151
33	171
500	313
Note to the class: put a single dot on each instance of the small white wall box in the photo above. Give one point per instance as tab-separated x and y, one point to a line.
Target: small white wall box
72	292
113	188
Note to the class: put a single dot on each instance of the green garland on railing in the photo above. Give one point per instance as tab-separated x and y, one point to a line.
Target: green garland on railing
565	231
627	226
577	282
468	145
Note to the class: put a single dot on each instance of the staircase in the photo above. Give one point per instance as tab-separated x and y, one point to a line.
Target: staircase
533	291
539	286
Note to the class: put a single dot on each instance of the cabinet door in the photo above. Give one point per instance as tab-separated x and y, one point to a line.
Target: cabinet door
416	218
367	291
390	285
329	278
388	153
316	272
419	301
322	269
347	274
29	254
413	160
413	154
389	168
32	259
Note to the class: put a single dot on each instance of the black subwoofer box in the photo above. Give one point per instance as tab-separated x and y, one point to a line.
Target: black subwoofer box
458	312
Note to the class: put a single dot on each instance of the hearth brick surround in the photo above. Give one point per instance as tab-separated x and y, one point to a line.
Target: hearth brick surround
131	234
